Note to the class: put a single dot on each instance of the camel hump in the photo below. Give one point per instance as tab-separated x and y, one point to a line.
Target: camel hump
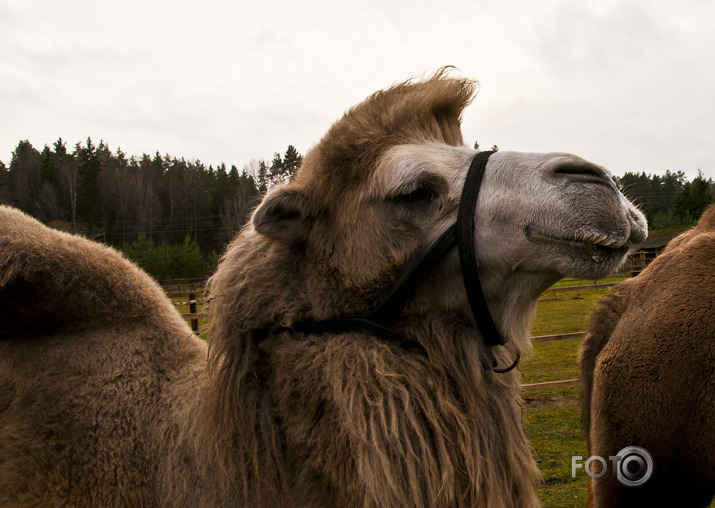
51	281
707	220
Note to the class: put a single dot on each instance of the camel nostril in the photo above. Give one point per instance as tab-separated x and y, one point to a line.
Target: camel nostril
582	172
571	168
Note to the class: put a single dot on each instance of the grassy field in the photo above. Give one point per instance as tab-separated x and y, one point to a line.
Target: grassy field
552	424
566	312
552	416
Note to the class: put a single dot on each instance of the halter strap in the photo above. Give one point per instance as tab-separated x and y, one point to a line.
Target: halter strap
467	251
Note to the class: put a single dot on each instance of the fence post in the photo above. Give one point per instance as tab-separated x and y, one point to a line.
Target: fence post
192	310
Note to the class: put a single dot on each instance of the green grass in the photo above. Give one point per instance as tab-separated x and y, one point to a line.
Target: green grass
552	424
586	282
552	416
557	313
552	361
566	312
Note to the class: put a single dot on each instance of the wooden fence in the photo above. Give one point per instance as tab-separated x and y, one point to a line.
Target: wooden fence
190	287
193	317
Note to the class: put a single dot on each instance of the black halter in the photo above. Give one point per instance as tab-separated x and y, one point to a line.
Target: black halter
460	234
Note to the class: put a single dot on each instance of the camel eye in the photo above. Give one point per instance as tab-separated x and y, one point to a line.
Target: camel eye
420	193
420	196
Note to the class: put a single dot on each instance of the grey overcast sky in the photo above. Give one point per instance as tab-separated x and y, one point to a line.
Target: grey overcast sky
624	83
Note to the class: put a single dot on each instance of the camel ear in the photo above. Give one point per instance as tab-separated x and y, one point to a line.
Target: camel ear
283	215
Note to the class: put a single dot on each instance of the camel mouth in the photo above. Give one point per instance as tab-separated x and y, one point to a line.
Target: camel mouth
598	247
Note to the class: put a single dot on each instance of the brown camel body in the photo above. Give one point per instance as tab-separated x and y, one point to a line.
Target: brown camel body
648	370
106	399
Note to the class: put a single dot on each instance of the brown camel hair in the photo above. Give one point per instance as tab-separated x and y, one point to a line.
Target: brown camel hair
107	399
415	431
648	372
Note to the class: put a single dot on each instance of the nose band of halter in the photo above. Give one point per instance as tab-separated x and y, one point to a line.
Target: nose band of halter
460	234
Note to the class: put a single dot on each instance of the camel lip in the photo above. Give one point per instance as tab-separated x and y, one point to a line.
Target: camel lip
598	242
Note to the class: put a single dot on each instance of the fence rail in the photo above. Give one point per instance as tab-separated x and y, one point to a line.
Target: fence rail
559	336
550	384
580	288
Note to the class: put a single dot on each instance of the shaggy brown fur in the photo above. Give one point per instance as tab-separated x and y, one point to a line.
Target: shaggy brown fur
363	424
91	355
648	371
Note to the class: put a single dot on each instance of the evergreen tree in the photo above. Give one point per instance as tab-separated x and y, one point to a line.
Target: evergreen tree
4	190
23	177
291	162
262	177
187	261
68	182
681	205
637	188
3	174
700	195
47	203
221	189
88	169
48	171
276	174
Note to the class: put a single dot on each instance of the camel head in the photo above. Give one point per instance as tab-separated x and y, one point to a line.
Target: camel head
386	181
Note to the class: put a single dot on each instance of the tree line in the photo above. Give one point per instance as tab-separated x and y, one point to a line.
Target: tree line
670	199
174	217
171	215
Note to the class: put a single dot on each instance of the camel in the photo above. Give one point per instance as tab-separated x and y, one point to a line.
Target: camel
108	399
648	371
